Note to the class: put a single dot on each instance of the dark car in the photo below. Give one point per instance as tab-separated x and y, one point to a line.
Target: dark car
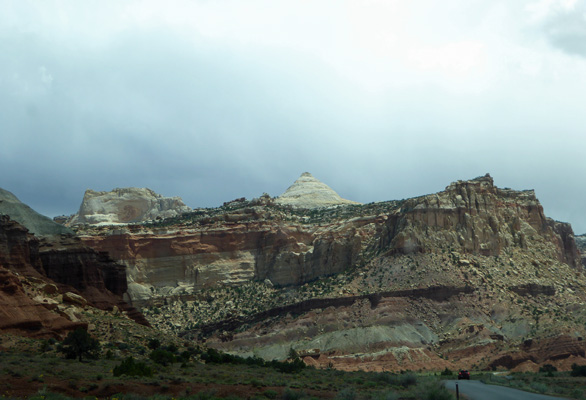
464	374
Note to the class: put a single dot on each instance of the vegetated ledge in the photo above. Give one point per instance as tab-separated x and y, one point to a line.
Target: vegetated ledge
437	293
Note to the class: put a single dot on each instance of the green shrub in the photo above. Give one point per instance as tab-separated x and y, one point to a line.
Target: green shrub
434	391
154	344
407	380
538	387
132	368
447	372
346	394
289	394
270	394
548	368
578	370
80	344
162	357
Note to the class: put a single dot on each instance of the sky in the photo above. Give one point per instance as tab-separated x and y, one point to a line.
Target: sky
216	100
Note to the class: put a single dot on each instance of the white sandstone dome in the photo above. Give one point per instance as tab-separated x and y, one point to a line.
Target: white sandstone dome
309	192
126	205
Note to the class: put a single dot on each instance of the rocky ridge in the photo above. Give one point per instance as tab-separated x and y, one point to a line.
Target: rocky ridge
220	272
124	206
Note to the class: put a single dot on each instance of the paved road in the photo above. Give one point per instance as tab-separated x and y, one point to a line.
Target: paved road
476	390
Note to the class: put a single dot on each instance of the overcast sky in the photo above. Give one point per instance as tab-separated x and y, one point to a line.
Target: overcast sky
214	100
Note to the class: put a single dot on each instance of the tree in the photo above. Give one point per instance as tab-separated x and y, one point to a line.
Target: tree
80	344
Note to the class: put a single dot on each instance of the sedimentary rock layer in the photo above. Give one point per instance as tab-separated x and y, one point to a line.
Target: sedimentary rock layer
62	265
258	242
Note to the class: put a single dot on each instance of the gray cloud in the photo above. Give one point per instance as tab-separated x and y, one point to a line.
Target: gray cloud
565	27
212	119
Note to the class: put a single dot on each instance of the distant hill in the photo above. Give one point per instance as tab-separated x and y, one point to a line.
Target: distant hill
36	223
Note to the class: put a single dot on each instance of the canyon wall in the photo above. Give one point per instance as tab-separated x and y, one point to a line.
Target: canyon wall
267	241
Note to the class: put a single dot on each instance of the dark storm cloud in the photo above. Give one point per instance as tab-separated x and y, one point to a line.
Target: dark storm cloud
241	101
154	112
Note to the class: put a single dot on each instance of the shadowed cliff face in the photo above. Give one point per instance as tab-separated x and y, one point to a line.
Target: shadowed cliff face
251	241
53	265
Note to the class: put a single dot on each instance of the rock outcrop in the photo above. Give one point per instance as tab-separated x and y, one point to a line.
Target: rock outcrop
309	192
29	218
126	205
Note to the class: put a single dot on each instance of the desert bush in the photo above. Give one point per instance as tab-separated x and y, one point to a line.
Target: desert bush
447	372
407	380
80	344
289	394
154	344
270	394
548	368
162	357
538	387
346	394
578	370
132	368
434	391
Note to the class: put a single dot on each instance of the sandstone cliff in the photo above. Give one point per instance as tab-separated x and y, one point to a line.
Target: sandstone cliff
41	279
227	273
247	241
126	205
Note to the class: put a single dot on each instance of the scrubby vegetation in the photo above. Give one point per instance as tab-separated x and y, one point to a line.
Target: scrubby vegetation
197	374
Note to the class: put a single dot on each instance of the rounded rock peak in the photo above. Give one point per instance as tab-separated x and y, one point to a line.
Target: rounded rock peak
309	192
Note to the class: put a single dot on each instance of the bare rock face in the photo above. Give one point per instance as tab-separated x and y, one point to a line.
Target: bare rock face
309	192
126	205
21	314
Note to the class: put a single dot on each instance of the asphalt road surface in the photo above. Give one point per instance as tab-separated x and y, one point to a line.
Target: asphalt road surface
476	390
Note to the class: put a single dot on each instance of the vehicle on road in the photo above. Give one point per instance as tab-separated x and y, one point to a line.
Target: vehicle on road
464	374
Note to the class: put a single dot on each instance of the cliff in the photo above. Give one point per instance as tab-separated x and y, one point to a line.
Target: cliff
39	278
246	241
463	276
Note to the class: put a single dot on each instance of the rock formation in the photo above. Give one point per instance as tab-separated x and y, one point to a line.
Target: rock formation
309	192
465	275
265	242
38	276
29	218
126	205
